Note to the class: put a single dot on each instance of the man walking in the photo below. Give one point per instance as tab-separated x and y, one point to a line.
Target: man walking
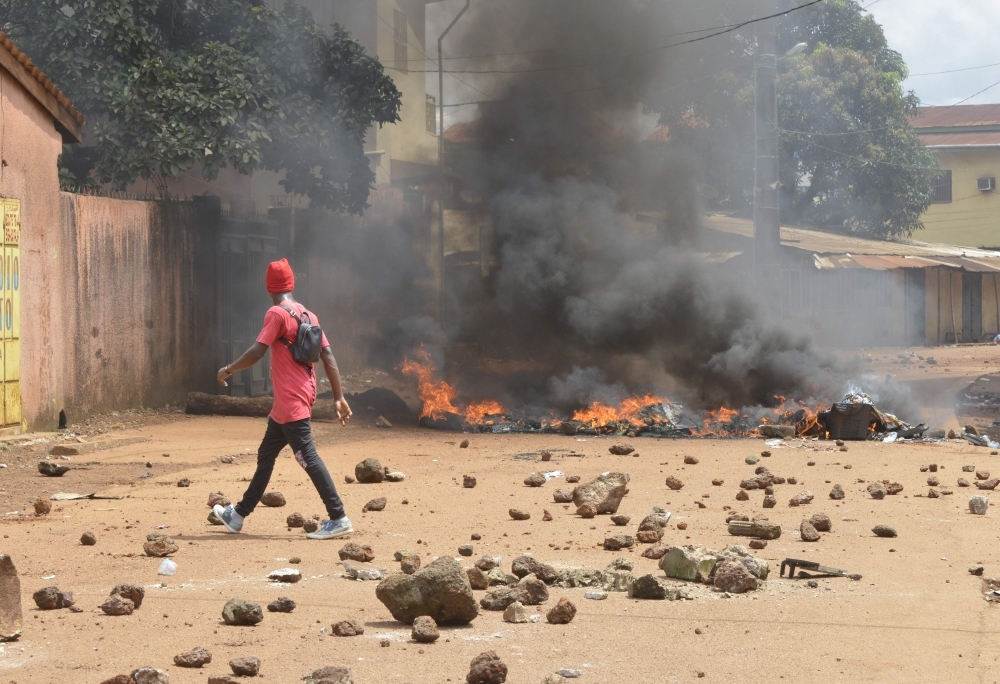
294	394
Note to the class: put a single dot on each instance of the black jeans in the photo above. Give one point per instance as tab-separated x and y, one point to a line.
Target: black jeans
298	435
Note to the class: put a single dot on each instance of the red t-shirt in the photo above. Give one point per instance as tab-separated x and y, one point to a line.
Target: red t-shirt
294	383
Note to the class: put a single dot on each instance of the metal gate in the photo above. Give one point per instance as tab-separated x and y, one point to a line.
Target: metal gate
246	245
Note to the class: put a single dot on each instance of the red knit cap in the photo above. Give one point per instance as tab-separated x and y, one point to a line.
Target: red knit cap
280	277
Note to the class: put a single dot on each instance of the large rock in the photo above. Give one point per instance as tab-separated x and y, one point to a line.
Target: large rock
239	612
331	674
731	575
562	613
653	588
979	504
477	578
369	471
441	591
247	666
522	566
116	605
605	493
282	604
691	563
808	532
160	547
133	592
51	598
531	591
487	668
196	657
150	675
11	615
500	598
50	469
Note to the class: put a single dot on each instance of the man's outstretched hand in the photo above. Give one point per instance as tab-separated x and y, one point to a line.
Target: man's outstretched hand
223	375
343	411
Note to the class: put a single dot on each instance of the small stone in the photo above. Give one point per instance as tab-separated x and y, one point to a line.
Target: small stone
620	519
213	518
982	474
691	460
247	666
682	526
369	471
877	490
811	463
742	495
573	479
410	564
160	548
196	657
518	514
133	592
546	516
812	584
486	563
770	501
534	480
562	496
487	668
348	479
621	449
239	612
790	481
821	521
893	488
51	598
50	469
769	490
978	505
286	575
273	499
150	675
933	467
464	444
750	484
718	482
310	525
587	510
546	456
808	532
395	476
932	481
382	422
295	520
988	484
758	544
465	550
331	674
962	482
282	604
562	613
120	679
347	628
618	542
225	459
674	483
884	531
88	539
733	577
218	499
42	507
968	469
933	494
356	552
375	504
183	482
468	481
656	551
752	460
977	570
477	579
116	605
476	536
425	630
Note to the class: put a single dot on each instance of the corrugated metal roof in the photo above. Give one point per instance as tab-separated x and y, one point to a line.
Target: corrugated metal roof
956	115
961	139
891	262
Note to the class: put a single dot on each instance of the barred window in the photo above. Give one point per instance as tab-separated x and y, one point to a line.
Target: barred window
400	40
941	189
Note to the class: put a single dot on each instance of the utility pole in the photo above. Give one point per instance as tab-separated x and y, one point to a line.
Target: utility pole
766	216
442	194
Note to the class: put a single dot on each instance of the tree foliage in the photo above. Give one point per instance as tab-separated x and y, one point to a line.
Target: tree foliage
171	84
849	158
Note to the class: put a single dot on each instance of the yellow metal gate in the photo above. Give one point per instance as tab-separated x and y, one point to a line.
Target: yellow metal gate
10	313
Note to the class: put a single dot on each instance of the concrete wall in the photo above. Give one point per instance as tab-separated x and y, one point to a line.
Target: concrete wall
972	218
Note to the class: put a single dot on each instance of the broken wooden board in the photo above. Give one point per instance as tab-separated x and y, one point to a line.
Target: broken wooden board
70	496
11	618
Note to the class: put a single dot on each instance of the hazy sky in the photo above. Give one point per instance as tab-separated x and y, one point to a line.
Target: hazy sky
939	35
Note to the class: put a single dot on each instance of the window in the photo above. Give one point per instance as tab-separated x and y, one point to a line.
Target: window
431	115
941	189
400	40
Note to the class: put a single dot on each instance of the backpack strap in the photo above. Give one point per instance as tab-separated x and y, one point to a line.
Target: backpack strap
291	313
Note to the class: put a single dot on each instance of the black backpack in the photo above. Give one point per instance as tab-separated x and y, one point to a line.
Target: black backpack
308	343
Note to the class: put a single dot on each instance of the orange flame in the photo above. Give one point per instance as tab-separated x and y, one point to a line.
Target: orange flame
601	414
477	412
438	397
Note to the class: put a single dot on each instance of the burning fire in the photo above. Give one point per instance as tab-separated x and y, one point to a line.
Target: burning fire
438	397
598	414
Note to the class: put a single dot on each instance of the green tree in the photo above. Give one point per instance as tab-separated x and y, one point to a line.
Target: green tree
170	84
849	158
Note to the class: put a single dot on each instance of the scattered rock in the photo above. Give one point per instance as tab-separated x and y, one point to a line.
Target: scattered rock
546	516
691	460
477	579
534	480
487	668
884	531
531	591
133	592
932	467
621	449
160	547
758	544
750	483
468	481
116	605
51	598
295	520
120	679
410	564
369	471
395	476
286	575
515	613
425	630
988	484
618	542
893	488
562	496
441	590
50	469
150	675
522	566
282	604
356	552
770	501
718	482
347	628
573	479
968	469
751	459
605	492
691	563
976	570
562	613
184	482
196	657
486	563
674	483
218	499
247	666
42	507
742	495
546	456
88	539
331	674
962	482
656	551
587	510
877	490
978	505
808	532
239	612
933	494
682	526
932	481
382	422
653	588
518	514
464	444
375	504
732	576
213	518
822	522
348	479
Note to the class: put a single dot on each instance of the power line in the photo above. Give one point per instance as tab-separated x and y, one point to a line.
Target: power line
974	94
725	29
953	71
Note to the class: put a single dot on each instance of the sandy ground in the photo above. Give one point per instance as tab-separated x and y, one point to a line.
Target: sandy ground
917	614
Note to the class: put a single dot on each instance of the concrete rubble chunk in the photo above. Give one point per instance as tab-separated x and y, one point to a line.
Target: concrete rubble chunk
515	613
239	612
605	493
761	529
11	615
441	590
691	563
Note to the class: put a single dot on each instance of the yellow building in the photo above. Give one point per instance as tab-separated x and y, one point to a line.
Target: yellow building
966	205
